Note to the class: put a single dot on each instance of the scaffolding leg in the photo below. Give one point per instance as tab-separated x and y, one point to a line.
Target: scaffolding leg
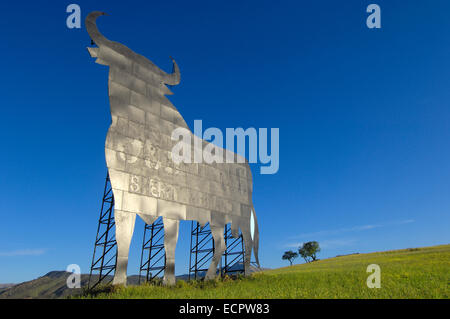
105	249
234	253
153	257
201	250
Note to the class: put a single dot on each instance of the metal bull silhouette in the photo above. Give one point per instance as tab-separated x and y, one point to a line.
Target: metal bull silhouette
145	180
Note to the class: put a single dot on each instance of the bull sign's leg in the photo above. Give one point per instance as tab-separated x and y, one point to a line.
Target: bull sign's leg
248	249
170	242
124	231
219	248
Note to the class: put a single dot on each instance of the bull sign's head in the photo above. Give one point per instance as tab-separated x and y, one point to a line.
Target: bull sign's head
108	51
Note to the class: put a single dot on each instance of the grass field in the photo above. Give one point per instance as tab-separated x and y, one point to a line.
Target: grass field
408	273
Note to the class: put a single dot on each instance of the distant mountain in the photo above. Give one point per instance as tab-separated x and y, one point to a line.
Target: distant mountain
4	286
50	286
53	285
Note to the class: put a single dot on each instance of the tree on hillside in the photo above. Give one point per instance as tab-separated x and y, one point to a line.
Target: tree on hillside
313	248
309	250
289	255
302	252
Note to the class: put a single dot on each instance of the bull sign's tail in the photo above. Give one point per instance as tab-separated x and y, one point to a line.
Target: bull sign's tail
255	235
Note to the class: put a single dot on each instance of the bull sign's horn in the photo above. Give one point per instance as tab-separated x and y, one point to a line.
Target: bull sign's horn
174	77
92	29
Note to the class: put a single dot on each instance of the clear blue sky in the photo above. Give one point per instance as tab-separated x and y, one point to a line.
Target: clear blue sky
363	117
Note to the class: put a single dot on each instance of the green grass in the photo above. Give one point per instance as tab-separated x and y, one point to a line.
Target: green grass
407	273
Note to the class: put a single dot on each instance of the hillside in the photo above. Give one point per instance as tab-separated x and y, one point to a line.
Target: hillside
53	285
407	273
50	286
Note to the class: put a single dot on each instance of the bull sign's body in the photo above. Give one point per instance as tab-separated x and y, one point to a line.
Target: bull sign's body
144	178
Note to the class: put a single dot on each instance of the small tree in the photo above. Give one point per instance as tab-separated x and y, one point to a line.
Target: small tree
302	252
309	250
289	255
313	249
